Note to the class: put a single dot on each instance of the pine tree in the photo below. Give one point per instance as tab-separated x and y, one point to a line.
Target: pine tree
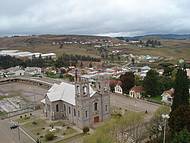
181	94
151	83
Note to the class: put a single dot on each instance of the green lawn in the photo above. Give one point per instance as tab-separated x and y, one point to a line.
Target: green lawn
156	99
2	113
38	127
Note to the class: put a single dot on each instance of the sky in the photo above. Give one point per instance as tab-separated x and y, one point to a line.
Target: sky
94	17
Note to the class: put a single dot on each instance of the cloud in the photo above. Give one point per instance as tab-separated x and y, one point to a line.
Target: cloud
100	17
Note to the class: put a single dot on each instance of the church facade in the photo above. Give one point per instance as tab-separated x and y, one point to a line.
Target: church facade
78	103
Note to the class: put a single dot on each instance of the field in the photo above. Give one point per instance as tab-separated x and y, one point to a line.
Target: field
68	49
38	127
171	49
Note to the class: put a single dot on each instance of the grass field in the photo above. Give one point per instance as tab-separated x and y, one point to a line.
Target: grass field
172	50
68	49
38	128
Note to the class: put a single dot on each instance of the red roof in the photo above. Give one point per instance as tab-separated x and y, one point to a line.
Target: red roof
170	91
115	82
137	89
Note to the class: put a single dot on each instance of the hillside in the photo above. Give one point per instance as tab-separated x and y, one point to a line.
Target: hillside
59	44
160	37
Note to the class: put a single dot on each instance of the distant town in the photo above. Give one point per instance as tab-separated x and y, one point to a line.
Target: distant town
61	96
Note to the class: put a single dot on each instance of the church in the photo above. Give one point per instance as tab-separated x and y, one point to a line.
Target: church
78	103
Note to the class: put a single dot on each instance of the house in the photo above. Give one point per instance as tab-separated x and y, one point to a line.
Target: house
78	103
144	71
49	56
136	92
31	71
118	88
14	71
188	73
167	96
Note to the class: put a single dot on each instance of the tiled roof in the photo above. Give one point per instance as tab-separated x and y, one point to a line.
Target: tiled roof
137	89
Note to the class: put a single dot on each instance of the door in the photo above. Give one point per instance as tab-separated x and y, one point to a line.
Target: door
96	119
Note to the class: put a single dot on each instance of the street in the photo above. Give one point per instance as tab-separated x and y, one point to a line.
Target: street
12	136
132	104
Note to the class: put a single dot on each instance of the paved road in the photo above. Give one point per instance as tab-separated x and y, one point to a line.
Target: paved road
12	136
131	104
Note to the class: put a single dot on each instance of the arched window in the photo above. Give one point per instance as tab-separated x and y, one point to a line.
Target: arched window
84	90
57	108
64	106
86	113
106	107
69	110
95	106
78	89
99	85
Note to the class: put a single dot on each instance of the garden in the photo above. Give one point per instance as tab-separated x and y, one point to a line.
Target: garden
46	130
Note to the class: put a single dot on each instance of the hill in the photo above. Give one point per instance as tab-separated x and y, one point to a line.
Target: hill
59	44
160	36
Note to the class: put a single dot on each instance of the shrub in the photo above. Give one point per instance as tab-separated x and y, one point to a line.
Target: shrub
34	123
85	130
41	136
68	127
49	136
37	133
20	116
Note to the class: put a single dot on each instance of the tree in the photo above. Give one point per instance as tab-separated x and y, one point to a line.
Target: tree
151	83
112	85
181	94
127	81
156	122
180	119
86	130
165	83
49	136
90	65
81	65
182	137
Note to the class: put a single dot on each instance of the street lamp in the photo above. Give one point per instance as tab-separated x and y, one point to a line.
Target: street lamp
165	117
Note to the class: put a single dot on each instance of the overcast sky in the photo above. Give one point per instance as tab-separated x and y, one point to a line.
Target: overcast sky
100	17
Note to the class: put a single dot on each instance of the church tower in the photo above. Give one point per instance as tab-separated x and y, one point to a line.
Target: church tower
82	99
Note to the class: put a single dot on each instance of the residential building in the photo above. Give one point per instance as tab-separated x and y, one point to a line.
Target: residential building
136	92
167	96
118	88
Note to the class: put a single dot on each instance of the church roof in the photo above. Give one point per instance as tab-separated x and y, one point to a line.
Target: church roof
65	92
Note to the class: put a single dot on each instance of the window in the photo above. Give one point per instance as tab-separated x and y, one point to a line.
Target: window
74	112
106	107
84	90
95	106
69	110
86	113
64	106
78	113
57	108
78	89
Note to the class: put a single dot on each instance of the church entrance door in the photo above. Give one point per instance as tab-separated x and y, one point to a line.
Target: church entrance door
96	119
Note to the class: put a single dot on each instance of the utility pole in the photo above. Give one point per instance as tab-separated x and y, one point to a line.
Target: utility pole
19	133
165	117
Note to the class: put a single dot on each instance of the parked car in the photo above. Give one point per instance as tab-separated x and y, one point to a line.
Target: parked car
14	126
